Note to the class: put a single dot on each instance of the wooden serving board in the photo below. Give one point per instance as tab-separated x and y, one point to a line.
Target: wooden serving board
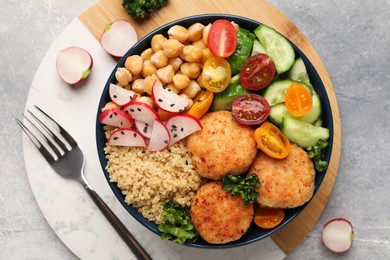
107	11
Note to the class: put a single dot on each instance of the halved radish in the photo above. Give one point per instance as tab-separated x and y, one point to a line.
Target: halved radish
145	129
180	126
118	37
167	100
126	137
159	140
116	117
337	235
141	112
74	64
120	95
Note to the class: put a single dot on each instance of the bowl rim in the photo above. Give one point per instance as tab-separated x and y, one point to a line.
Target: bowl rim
315	80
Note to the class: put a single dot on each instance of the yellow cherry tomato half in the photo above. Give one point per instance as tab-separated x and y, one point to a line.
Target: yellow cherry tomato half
298	100
271	141
201	104
216	74
268	218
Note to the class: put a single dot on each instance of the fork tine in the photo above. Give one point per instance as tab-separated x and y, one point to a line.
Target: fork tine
63	132
36	142
48	131
52	146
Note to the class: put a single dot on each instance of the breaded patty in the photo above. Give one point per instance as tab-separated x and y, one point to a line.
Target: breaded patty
285	183
217	216
222	146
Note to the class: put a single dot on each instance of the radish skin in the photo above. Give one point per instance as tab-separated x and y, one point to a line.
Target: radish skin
338	235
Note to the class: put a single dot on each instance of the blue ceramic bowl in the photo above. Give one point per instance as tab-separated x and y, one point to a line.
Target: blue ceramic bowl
254	233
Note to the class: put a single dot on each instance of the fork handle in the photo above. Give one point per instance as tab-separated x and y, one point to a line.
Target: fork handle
129	239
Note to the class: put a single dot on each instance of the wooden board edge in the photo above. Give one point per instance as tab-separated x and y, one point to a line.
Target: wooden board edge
106	11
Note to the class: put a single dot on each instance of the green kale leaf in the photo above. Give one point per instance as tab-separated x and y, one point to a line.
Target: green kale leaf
141	9
178	226
247	187
317	154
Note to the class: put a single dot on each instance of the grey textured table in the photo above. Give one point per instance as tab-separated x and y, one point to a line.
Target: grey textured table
352	38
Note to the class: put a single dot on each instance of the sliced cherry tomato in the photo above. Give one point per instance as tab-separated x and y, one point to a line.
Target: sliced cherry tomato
271	141
250	109
298	100
222	39
201	104
257	72
216	74
268	218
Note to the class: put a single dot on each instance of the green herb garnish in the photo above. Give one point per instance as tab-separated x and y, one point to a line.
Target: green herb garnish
247	187
317	153
178	226
141	9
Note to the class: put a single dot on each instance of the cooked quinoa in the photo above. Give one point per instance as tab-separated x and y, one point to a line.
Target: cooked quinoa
150	179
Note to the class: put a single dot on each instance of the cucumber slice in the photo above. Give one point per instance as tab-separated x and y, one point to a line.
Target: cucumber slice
314	113
245	39
275	92
298	72
224	99
278	48
279	111
301	133
257	48
318	122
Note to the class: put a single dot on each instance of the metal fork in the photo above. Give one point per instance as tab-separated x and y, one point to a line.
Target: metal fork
68	161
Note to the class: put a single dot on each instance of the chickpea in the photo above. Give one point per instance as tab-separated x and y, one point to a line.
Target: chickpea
110	105
200	44
157	42
146	100
159	59
127	86
148	83
192	90
191	69
191	53
190	101
146	54
206	54
175	62
181	81
138	86
166	74
134	64
148	69
179	33
206	31
123	76
172	87
172	48
195	32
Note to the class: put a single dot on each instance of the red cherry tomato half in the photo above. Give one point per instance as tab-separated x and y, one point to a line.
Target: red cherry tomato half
257	72
222	39
250	109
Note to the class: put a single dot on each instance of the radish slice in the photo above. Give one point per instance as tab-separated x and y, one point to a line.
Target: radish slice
121	96
145	129
116	117
141	112
118	38
168	100
126	137
159	140
337	235
73	65
180	126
